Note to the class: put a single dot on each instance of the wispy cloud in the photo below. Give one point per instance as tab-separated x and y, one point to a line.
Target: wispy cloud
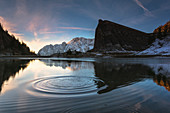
51	32
147	12
10	27
21	9
76	28
35	34
33	25
7	25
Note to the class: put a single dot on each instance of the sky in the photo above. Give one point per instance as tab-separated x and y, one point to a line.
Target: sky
43	22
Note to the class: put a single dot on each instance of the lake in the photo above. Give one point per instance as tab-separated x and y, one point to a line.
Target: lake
85	85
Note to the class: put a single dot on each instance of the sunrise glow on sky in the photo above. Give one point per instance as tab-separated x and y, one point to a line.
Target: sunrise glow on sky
42	22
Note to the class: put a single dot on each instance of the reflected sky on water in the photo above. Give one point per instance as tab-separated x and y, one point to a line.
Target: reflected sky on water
85	85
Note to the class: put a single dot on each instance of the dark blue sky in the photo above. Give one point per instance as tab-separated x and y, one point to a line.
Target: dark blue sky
41	22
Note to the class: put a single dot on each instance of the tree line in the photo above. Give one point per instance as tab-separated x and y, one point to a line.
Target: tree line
10	44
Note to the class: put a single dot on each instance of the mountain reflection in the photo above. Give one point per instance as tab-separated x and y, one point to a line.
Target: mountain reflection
9	68
118	75
72	65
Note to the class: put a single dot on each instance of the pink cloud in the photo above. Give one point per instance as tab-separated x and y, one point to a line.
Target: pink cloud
76	28
38	25
7	25
33	24
35	34
10	27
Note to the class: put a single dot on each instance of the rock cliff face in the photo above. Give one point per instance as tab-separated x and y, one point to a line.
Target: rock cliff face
110	36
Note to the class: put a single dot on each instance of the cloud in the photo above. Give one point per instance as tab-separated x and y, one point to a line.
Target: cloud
21	9
46	30
76	28
147	12
7	25
10	27
51	32
35	34
33	25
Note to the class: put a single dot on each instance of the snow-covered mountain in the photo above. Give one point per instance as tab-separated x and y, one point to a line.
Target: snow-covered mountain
79	44
159	47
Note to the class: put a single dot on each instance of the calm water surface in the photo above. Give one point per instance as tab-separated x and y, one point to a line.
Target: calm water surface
122	85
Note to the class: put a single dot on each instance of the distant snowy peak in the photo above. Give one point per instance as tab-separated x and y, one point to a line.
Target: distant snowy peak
79	44
80	39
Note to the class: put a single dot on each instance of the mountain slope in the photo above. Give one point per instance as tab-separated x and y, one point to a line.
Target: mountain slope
9	45
77	44
161	45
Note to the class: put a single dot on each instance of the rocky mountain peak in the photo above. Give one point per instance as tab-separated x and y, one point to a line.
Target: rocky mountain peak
79	44
111	36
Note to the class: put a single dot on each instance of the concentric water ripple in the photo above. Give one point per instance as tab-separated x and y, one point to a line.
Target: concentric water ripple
132	98
67	86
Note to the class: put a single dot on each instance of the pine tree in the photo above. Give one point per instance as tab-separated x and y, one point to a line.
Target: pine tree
165	30
159	34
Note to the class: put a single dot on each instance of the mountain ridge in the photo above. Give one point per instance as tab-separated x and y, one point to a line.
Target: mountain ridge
79	44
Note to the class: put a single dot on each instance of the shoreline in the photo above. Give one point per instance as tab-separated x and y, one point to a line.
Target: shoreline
84	56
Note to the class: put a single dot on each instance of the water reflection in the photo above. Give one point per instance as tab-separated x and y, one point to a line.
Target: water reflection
85	86
118	75
162	81
9	68
72	65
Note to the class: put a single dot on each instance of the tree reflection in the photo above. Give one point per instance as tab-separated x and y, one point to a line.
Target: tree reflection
162	80
9	68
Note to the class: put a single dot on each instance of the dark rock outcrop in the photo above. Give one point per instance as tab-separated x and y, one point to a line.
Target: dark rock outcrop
111	36
9	45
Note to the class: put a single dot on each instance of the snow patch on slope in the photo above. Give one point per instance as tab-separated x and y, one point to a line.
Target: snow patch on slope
159	47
